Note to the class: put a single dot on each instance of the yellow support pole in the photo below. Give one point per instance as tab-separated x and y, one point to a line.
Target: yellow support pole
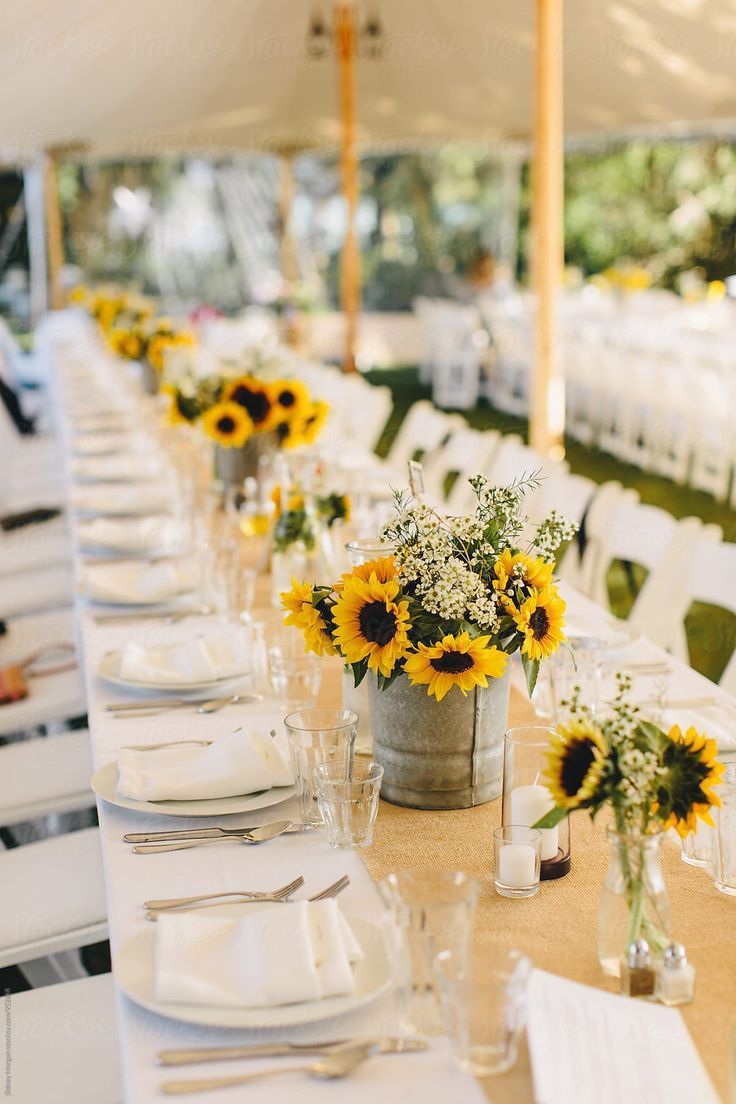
54	232
347	41
547	415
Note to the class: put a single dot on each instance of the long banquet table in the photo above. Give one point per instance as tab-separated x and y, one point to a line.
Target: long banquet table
557	927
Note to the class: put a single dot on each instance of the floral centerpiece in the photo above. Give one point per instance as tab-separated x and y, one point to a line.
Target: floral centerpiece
444	612
245	415
651	779
148	341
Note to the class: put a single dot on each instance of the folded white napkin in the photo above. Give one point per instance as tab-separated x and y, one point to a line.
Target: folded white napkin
146	534
138	582
119	468
714	721
280	954
98	444
116	498
200	660
240	763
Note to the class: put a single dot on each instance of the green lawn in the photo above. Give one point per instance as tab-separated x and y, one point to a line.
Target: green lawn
711	631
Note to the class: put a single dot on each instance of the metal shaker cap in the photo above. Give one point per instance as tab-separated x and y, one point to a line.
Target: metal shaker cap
674	957
638	955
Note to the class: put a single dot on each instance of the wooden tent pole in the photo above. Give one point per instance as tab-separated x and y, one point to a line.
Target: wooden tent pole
54	232
547	420
347	41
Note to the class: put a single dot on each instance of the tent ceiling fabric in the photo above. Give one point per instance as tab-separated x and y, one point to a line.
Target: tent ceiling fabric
142	77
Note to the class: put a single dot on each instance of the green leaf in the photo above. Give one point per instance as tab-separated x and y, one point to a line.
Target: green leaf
552	818
531	672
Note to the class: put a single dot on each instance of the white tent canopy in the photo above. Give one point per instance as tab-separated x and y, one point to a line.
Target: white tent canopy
143	77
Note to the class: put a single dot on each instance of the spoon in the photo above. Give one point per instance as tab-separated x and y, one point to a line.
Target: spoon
339	1063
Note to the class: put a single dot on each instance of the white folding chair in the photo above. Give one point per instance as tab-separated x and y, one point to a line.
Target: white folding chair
56	890
45	775
649	536
712	579
65	1045
465	453
580	569
423	429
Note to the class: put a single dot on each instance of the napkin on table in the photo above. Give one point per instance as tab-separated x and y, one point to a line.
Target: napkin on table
132	535
201	660
137	582
280	954
117	498
239	763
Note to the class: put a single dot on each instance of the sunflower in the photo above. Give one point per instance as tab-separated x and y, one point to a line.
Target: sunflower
541	619
290	399
302	614
228	424
690	771
575	764
126	343
384	569
455	661
314	421
370	624
253	396
530	571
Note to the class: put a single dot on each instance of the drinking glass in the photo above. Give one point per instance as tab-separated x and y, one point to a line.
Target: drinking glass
318	736
296	675
725	835
526	798
365	549
576	668
483	1003
518	855
347	796
430	911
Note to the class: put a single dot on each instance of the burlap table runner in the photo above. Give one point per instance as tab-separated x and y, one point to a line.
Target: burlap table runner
558	927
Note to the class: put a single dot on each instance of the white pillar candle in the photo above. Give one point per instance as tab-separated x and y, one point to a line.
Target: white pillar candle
528	805
516	863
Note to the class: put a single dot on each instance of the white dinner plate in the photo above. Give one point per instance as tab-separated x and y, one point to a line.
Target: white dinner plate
105	785
135	974
109	669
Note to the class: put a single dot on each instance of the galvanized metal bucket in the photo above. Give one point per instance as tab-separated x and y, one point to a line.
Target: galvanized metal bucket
149	378
439	755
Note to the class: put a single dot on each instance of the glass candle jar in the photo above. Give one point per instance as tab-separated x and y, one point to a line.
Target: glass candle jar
526	798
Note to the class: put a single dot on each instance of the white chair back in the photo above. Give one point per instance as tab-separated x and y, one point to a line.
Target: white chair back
465	453
422	431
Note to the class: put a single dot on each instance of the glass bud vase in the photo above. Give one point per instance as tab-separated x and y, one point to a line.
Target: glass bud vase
634	902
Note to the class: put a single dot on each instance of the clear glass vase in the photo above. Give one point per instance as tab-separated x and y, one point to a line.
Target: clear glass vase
634	901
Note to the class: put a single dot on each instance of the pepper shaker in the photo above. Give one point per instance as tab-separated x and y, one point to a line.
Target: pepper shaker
637	972
676	977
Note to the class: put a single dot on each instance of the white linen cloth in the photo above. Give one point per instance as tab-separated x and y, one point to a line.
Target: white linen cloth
280	954
101	444
98	469
138	582
201	660
240	763
109	499
146	534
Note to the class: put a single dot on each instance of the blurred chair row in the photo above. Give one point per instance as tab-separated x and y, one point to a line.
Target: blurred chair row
684	559
64	1038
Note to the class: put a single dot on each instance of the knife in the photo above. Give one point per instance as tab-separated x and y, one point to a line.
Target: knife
150	615
199	833
181	1057
174	703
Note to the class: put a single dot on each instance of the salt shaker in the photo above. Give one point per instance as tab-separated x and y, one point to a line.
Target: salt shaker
637	972
676	977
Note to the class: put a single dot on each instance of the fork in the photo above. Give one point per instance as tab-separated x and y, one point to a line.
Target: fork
330	891
174	902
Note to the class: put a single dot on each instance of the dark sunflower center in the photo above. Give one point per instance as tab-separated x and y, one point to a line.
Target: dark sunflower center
255	402
377	624
287	399
226	424
576	764
452	663
539	623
